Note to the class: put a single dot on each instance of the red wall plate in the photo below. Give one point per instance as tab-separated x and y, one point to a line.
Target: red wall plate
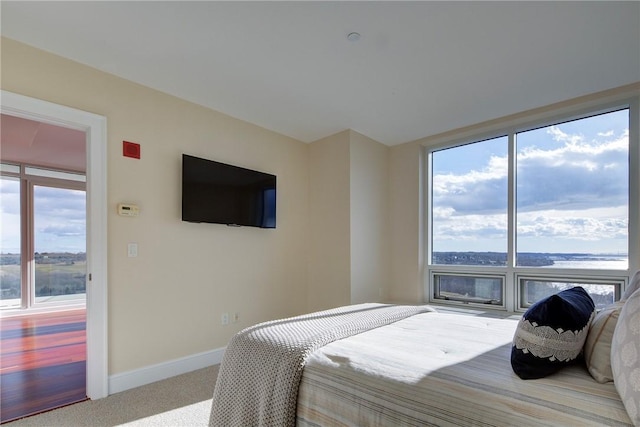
130	149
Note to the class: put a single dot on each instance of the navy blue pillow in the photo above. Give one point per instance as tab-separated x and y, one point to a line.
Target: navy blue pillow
551	333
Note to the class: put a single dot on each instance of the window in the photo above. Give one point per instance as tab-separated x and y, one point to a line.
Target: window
59	243
10	258
602	293
518	216
43	258
469	204
572	193
478	289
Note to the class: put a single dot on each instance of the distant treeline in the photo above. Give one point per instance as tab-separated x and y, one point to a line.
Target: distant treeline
491	258
523	259
56	273
46	258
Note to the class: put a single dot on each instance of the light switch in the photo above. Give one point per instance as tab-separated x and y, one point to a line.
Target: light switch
132	250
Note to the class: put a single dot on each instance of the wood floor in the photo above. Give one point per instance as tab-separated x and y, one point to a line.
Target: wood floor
42	362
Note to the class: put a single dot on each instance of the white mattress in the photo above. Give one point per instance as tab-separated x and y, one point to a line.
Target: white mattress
444	369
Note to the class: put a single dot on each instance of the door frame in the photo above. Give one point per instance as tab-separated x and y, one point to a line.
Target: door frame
95	128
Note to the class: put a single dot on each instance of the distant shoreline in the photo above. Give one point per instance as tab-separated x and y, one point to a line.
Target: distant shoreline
524	259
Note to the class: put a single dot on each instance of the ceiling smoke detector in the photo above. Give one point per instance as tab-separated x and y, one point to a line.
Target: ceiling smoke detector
353	37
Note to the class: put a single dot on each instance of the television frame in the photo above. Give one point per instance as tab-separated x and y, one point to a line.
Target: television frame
221	193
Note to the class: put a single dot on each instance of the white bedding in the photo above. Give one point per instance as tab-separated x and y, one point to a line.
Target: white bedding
444	369
258	380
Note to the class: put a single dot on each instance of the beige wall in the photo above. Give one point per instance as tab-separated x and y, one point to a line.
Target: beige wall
405	207
329	222
166	303
349	221
369	171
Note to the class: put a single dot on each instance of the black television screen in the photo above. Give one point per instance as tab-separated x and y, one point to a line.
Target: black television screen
219	193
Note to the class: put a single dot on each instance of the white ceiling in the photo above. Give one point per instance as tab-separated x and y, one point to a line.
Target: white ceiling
419	68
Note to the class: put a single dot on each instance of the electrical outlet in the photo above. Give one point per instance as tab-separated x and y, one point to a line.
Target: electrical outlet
236	317
224	319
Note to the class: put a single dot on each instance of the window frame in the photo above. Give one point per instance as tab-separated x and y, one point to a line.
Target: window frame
520	278
483	275
510	127
30	176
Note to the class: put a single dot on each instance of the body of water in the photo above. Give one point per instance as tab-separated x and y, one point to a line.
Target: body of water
599	264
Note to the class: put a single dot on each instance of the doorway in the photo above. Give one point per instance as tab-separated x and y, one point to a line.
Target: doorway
43	234
42	267
94	127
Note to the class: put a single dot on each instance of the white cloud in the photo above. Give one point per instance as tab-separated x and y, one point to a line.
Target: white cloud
576	190
471	227
60	222
65	230
585	225
577	174
560	136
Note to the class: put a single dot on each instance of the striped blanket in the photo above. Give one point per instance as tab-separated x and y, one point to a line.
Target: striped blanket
261	369
444	369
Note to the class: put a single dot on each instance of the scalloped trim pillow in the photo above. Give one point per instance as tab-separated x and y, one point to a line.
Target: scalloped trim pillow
597	348
551	333
625	357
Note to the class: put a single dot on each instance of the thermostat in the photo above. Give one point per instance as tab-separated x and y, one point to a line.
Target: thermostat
125	209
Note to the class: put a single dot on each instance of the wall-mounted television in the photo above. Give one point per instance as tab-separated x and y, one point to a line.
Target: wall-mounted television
220	193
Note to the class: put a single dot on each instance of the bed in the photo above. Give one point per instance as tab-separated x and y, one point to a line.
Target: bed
387	365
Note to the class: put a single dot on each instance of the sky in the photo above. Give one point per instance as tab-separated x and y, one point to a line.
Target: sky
59	218
572	190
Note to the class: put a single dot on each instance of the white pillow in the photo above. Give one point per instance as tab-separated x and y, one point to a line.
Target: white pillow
625	356
634	285
597	348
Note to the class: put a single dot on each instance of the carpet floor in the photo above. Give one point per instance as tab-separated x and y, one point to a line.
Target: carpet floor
180	401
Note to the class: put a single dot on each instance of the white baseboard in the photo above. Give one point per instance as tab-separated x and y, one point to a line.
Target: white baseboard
149	374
